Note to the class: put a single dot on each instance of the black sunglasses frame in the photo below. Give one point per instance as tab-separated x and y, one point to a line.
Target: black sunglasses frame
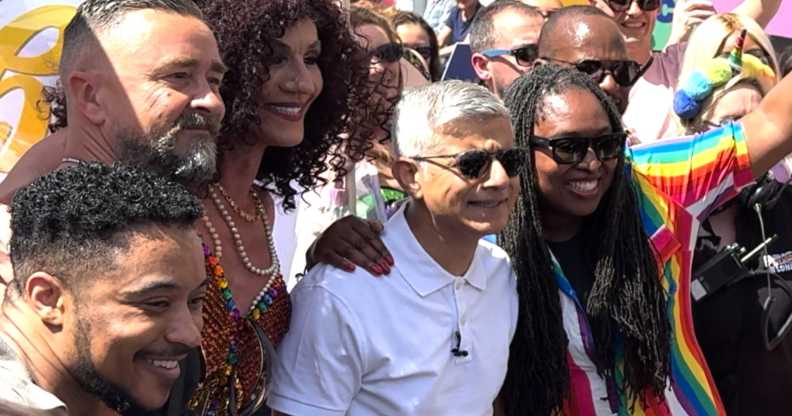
525	55
425	51
598	69
511	160
645	5
389	52
597	144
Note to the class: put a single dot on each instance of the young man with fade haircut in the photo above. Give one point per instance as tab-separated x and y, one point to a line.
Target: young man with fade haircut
650	109
107	293
141	83
503	39
411	343
587	38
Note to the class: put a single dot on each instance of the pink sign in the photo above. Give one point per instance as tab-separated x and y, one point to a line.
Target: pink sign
779	26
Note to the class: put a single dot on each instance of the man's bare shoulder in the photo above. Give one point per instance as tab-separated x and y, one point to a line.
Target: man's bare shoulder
41	159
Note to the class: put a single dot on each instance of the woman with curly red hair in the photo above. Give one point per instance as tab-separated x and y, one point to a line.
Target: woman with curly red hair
296	73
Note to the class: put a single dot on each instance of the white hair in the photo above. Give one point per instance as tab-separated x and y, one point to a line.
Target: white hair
424	110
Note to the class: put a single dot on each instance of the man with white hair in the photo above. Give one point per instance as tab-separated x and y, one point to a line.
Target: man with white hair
409	344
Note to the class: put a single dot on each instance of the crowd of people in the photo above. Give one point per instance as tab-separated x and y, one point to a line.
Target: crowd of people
279	207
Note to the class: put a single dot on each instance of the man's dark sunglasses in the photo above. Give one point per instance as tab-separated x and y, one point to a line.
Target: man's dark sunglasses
525	55
389	52
572	150
622	5
425	51
473	164
625	73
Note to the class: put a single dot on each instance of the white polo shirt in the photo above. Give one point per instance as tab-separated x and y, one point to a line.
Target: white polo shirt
360	345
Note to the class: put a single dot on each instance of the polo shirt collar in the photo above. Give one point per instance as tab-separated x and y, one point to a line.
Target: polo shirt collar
417	267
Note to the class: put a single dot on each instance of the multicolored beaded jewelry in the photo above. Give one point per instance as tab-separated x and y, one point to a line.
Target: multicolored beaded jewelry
260	305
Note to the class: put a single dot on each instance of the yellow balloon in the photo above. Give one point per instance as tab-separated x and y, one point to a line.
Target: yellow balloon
34	114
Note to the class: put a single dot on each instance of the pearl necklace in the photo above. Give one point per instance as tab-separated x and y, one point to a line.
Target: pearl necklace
251	218
274	268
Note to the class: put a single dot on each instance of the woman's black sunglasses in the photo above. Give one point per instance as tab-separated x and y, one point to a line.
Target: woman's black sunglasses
622	5
524	55
572	150
389	52
425	51
626	73
473	164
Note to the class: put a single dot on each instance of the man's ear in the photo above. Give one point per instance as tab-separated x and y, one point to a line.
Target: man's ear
46	294
405	171
82	87
479	63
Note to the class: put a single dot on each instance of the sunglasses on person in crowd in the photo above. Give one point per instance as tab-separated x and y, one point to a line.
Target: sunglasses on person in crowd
625	73
572	150
389	52
525	55
622	5
473	164
424	51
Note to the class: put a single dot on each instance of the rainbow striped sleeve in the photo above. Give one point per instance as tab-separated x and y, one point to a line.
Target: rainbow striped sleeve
679	182
697	172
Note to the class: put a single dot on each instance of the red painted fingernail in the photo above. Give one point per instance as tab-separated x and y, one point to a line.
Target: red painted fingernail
348	266
390	260
385	267
376	269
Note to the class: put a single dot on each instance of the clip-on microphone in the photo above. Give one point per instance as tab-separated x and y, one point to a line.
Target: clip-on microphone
456	351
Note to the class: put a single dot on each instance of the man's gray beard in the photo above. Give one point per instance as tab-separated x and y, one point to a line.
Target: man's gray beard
194	167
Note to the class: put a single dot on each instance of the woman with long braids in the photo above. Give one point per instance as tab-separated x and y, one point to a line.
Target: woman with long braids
601	244
295	81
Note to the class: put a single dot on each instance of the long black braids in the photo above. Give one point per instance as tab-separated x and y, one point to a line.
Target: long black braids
627	303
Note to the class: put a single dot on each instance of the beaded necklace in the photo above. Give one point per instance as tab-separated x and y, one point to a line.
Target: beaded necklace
232	387
260	305
261	212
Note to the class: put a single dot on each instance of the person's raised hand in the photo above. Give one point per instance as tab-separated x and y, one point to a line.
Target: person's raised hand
351	242
687	15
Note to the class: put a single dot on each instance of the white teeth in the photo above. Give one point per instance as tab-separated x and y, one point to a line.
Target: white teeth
583	186
486	204
292	111
168	364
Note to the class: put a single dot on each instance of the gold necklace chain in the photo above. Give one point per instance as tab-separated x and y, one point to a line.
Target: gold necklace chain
274	269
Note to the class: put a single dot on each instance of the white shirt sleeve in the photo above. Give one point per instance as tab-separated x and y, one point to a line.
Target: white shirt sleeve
320	361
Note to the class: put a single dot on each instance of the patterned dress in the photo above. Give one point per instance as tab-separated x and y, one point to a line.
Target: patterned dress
236	348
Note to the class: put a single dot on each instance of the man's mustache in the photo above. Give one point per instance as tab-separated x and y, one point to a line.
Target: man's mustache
197	121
